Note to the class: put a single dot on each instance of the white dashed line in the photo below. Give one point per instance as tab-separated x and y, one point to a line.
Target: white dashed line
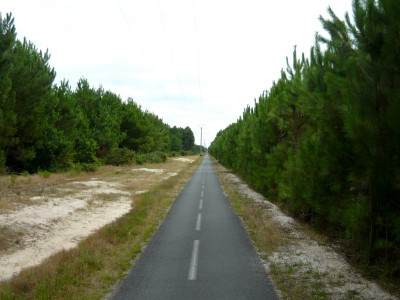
201	204
193	261
198	222
202	194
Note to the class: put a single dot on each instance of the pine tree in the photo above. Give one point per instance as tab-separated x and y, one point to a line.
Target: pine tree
7	98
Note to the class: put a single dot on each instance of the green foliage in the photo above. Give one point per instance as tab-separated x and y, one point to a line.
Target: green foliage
103	112
44	173
153	157
7	97
182	139
90	167
52	127
85	150
33	101
120	156
325	141
2	162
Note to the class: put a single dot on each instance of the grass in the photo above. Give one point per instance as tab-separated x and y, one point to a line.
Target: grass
288	277
293	278
44	173
267	236
91	269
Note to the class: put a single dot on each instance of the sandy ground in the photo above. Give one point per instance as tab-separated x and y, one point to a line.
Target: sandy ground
42	216
305	255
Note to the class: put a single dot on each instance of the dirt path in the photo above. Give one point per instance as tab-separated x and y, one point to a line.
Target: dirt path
42	216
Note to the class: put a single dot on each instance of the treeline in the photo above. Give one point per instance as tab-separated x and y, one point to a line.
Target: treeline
51	127
324	142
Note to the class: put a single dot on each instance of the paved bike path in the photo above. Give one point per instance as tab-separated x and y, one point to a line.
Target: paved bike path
201	251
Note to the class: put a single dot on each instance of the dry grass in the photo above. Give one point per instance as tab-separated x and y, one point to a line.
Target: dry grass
269	237
266	234
9	237
302	263
89	270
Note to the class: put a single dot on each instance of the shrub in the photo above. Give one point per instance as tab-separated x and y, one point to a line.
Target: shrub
119	156
90	167
153	158
44	173
3	168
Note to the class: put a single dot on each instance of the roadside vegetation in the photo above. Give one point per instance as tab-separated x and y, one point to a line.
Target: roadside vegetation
52	130
324	142
90	270
52	127
302	263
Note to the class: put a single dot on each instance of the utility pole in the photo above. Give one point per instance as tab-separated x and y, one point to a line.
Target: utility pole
201	139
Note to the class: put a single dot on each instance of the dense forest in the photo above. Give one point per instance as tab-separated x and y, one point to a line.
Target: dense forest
324	141
44	126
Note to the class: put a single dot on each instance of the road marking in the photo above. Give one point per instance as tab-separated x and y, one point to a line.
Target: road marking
194	260
201	204
202	194
198	222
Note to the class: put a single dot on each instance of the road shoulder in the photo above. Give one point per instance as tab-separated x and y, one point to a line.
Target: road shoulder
301	263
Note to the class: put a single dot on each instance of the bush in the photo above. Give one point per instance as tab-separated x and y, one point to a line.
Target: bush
3	168
85	150
87	167
153	158
90	167
44	173
119	156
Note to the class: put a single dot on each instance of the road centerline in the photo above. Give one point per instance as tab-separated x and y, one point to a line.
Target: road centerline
198	222
194	261
228	266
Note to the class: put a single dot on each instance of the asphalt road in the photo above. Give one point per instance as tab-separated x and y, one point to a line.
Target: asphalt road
201	251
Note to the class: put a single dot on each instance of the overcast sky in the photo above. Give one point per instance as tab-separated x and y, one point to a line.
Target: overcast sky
195	63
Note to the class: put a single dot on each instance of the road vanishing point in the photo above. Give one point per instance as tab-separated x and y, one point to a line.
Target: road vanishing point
200	251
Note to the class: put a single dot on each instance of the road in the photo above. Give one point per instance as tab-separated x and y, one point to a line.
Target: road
201	251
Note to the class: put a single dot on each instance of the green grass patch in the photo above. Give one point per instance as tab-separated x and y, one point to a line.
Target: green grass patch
44	173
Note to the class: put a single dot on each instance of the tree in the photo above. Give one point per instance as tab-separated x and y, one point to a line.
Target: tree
7	98
32	79
176	139
187	139
325	141
103	110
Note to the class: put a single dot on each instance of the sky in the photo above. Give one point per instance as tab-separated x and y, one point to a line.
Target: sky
195	63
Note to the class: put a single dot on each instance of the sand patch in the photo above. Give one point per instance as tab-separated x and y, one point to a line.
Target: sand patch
62	226
59	223
183	159
157	171
42	216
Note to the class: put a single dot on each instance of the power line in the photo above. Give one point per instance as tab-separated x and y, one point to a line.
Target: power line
197	59
170	50
141	50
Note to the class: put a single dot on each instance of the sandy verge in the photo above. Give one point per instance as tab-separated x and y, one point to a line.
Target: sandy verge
306	256
40	217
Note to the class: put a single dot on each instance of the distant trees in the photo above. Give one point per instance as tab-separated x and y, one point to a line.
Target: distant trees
325	141
45	126
181	139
